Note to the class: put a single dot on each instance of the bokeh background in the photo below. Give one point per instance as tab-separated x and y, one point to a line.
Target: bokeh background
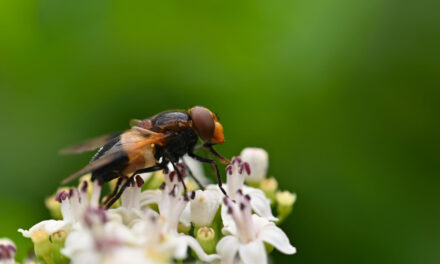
343	94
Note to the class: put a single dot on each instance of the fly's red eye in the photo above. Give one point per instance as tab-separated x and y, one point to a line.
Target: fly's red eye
203	122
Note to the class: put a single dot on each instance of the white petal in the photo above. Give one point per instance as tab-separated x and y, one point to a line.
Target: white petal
259	203
86	257
197	169
185	217
127	255
276	237
253	253
150	197
121	233
195	246
78	241
180	248
227	248
50	226
125	216
204	207
229	227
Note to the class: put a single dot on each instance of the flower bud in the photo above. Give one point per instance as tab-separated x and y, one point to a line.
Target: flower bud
57	239
258	160
206	238
181	228
285	201
204	207
42	246
269	187
53	206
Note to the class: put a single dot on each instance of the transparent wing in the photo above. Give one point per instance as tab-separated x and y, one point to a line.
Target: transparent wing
119	151
89	145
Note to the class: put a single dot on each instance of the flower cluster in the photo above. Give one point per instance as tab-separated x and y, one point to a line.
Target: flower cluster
155	221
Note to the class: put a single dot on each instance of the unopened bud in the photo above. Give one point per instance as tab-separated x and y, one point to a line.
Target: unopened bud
269	187
42	246
54	206
57	240
182	228
258	161
206	238
204	207
285	201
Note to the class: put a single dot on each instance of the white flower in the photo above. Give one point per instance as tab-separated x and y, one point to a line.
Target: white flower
258	160
7	251
204	207
235	173
103	242
162	244
247	234
168	205
130	210
73	205
160	231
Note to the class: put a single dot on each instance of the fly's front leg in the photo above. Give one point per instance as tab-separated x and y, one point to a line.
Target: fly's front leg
214	164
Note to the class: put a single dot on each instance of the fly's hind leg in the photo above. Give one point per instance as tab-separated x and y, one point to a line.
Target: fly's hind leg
128	181
115	190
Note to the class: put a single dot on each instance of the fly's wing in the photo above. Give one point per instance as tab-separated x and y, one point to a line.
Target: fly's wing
89	145
135	122
119	151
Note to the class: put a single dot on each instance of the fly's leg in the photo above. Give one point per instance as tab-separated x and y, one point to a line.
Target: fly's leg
115	190
128	181
214	164
192	176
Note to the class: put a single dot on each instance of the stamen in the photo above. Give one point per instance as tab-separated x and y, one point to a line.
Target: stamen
246	167
173	191
61	196
171	175
229	169
162	186
84	186
236	160
193	195
139	181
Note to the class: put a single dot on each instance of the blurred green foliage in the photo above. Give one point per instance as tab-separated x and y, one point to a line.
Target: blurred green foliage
343	94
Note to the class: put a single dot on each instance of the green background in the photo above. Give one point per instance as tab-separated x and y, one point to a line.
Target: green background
343	94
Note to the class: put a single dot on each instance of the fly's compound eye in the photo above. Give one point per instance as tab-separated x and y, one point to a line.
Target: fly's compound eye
203	121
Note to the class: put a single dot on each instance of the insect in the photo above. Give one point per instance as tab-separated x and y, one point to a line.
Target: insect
150	145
